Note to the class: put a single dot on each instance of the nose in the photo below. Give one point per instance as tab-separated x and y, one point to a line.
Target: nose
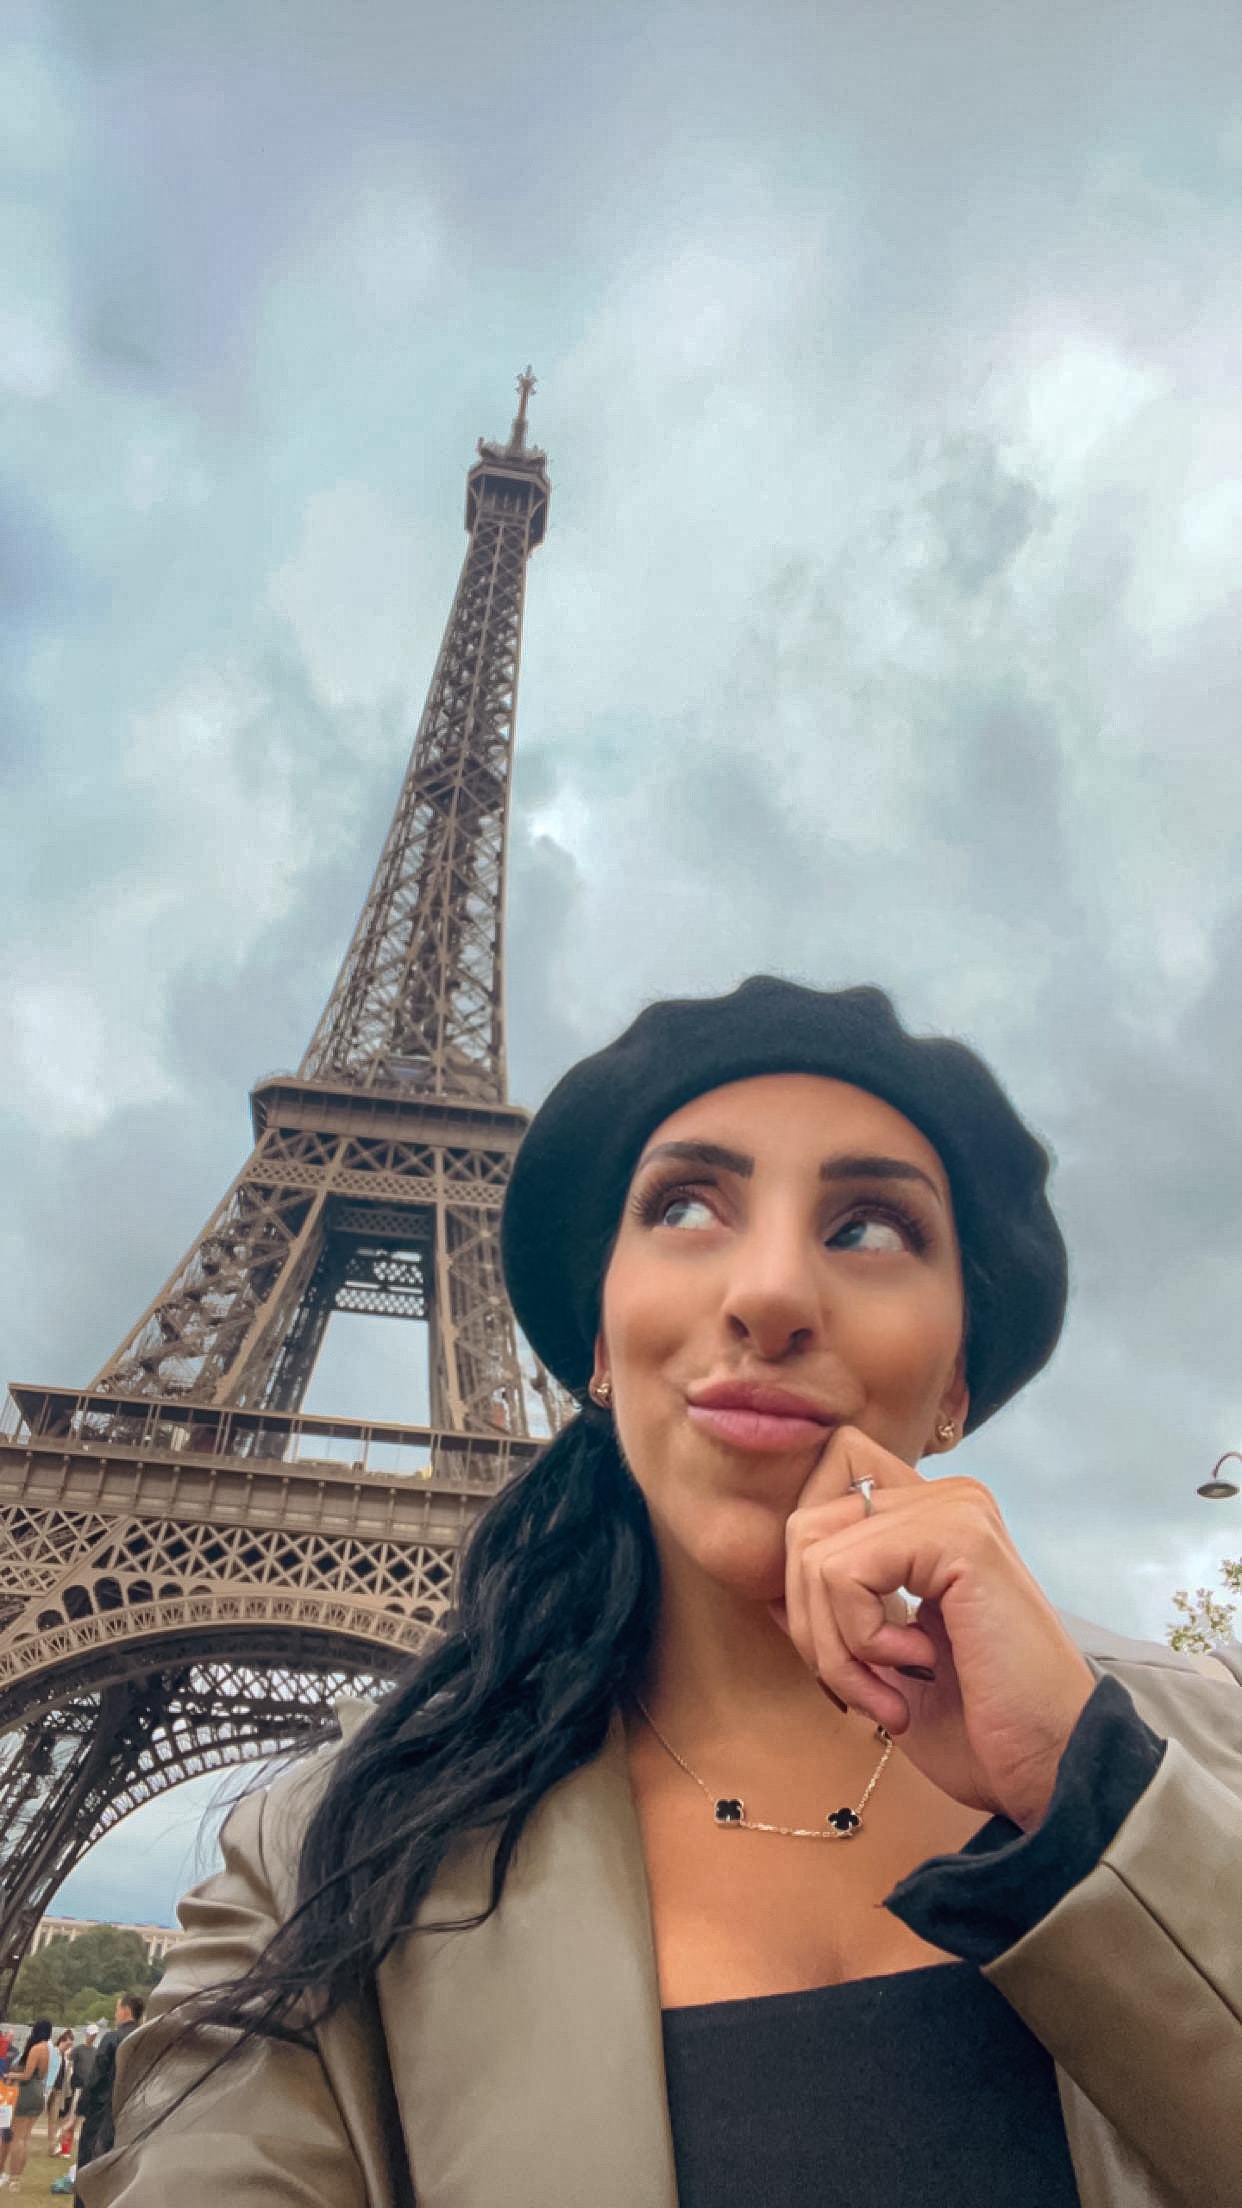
773	1295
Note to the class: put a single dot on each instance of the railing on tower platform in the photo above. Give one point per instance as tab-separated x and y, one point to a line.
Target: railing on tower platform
90	1422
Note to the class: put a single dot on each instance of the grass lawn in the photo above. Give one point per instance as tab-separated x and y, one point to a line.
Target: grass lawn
41	2168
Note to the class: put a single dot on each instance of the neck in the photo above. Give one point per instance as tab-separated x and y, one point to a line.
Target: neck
722	1670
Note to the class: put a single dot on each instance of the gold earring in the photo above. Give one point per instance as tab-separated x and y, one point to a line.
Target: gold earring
946	1430
600	1391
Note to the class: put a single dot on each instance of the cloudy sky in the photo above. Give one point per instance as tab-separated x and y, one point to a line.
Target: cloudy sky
887	627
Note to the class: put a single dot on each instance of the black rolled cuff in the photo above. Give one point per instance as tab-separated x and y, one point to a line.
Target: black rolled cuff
979	1902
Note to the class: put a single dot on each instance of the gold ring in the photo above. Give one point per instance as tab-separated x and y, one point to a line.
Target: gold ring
863	1488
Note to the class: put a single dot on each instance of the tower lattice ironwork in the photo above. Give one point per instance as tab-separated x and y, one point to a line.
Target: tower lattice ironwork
191	1569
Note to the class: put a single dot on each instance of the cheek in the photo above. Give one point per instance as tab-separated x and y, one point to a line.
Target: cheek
646	1319
652	1335
902	1349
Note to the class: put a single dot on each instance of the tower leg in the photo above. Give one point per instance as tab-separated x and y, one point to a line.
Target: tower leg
73	1773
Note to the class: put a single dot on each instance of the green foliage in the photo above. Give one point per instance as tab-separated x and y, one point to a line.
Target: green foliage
1206	1619
102	1963
89	2007
37	1985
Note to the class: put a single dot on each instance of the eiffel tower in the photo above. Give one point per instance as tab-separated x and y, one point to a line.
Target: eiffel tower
191	1568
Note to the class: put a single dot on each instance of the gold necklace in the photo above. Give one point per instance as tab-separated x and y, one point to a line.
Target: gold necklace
729	1809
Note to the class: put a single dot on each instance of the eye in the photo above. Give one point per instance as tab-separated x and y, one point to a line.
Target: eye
663	1205
680	1207
874	1231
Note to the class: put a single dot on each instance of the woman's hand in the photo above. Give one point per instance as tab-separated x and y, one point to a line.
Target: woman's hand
990	1727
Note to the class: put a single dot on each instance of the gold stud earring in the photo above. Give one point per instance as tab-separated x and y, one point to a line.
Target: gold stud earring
600	1391
946	1431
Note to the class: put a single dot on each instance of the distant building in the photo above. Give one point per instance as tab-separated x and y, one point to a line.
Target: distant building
158	1939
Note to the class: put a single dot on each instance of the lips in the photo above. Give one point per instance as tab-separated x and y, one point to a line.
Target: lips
752	1416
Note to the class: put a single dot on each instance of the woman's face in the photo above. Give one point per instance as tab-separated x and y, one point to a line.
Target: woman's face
787	1233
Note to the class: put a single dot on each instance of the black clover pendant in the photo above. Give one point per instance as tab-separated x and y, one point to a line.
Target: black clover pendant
844	1821
729	1811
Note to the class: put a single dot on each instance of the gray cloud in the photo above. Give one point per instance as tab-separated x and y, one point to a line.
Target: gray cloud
887	626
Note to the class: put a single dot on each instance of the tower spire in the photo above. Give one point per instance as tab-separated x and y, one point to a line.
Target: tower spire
418	1004
526	383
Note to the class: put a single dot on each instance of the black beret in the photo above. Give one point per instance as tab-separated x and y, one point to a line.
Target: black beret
576	1161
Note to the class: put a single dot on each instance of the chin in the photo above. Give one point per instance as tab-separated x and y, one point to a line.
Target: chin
744	1550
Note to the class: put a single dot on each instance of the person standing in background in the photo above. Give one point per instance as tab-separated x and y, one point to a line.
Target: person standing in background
82	2069
31	2081
85	2057
96	2104
8	2095
59	2088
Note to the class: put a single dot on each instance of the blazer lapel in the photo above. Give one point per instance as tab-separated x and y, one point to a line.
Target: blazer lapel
527	2053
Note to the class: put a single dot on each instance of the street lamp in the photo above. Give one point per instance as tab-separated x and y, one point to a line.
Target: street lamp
1215	1488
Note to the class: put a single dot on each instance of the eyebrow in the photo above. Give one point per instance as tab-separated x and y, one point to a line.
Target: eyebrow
852	1168
877	1169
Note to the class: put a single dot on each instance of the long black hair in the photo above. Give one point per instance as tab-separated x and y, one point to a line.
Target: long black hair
555	1613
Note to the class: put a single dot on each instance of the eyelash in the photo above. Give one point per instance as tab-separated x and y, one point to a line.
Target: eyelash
649	1205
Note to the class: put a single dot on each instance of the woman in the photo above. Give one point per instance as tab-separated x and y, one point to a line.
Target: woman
31	2078
734	1878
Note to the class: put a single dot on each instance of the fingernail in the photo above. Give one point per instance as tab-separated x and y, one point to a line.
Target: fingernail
916	1671
842	1706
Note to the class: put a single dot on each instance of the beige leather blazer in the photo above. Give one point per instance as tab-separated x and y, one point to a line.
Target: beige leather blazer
519	2065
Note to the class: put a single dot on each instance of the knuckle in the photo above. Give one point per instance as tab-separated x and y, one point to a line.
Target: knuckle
799	1532
854	1443
974	1495
823	1552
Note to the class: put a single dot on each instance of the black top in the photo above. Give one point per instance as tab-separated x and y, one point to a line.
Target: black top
922	2086
925	2084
